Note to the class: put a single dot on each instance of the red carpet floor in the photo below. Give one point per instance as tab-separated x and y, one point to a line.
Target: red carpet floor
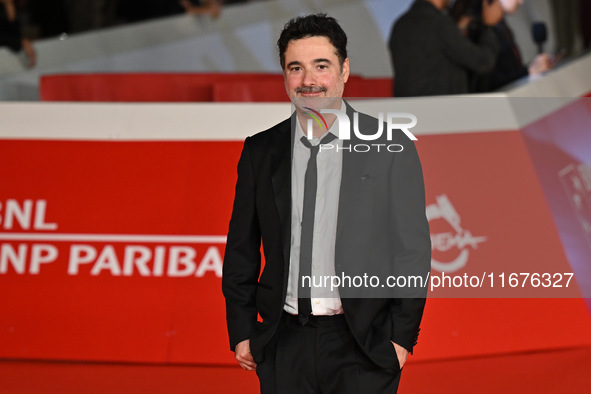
559	371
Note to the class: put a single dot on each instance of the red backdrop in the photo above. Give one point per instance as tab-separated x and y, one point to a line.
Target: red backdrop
157	299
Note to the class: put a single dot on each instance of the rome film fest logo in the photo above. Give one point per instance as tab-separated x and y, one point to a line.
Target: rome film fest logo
462	239
344	129
576	183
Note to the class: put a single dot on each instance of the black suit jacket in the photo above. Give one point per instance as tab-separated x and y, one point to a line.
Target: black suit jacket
508	66
381	223
430	56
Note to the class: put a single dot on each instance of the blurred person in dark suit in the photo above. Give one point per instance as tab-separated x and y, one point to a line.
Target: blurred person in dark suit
584	16
566	25
509	65
10	33
430	56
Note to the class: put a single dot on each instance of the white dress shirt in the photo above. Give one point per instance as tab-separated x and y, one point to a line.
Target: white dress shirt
330	165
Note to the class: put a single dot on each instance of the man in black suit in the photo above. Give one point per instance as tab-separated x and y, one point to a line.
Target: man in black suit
431	57
509	66
324	208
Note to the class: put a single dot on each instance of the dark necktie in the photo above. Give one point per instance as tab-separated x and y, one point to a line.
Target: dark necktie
307	236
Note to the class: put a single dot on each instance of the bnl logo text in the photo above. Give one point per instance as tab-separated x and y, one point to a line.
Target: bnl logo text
344	129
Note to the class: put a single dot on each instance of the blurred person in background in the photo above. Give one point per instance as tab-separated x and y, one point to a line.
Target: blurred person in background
509	65
10	33
566	25
212	8
139	10
205	7
584	15
49	16
430	56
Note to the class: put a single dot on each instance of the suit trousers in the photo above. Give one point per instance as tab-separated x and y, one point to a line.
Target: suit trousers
320	357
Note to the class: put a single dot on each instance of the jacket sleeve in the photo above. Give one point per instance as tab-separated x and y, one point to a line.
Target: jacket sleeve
242	258
411	242
479	58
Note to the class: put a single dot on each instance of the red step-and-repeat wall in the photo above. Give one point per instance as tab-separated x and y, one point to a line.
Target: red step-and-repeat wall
112	250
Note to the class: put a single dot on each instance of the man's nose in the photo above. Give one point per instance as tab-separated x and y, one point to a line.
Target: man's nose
309	78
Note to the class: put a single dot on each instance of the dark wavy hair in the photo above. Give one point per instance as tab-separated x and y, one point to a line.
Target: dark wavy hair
313	25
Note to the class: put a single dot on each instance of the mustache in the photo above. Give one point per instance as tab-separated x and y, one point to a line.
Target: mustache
310	89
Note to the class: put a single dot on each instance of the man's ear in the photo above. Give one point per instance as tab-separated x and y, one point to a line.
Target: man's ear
345	70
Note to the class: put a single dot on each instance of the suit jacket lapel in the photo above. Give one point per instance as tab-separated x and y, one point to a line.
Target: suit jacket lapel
281	156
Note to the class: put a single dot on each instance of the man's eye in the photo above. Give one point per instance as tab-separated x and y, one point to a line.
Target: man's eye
322	66
296	68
